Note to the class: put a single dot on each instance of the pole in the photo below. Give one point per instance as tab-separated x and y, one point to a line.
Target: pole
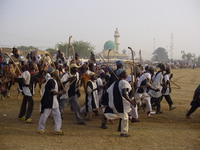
140	53
109	55
69	44
133	66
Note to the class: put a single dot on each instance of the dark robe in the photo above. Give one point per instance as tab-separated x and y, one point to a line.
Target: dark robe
196	97
117	98
47	98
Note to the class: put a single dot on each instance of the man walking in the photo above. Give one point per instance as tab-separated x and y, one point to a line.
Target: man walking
119	100
49	103
71	81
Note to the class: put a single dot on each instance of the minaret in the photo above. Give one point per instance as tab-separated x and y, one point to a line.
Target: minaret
117	39
172	45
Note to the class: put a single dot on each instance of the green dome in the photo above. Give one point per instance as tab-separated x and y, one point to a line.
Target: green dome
109	45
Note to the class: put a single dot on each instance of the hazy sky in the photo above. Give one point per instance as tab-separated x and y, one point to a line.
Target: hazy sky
43	23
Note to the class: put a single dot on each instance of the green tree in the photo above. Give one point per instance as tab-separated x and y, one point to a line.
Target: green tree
62	47
51	50
160	54
84	49
27	48
198	60
188	56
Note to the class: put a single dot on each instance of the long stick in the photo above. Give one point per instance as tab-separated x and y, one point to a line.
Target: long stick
70	47
108	66
69	44
70	83
134	100
175	84
150	81
140	53
109	55
132	66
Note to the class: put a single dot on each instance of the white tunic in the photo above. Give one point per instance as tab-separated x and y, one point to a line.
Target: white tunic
100	92
26	90
126	104
55	99
95	94
157	80
166	79
64	78
144	76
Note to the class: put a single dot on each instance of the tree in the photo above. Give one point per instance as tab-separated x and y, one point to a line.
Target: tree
27	48
84	49
51	50
160	54
62	47
188	56
198	60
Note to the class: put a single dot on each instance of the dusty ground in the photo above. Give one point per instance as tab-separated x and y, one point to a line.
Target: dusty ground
167	131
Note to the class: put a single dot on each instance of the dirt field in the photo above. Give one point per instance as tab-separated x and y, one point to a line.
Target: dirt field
167	131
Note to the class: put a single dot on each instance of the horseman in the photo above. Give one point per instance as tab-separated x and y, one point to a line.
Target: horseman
9	71
16	57
60	58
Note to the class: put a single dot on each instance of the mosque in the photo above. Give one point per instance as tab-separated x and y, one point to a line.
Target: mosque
114	47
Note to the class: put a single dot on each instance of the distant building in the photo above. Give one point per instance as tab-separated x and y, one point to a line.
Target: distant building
113	46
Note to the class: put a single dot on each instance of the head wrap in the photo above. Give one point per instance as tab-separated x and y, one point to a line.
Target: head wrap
119	62
101	71
91	74
50	70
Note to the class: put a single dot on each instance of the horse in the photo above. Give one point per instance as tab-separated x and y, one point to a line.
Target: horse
10	75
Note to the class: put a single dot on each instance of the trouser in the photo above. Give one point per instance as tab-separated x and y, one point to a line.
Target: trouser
75	106
124	121
192	109
8	85
156	101
56	116
23	112
134	112
147	99
168	99
107	114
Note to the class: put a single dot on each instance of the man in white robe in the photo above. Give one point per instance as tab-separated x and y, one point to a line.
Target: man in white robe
119	101
49	103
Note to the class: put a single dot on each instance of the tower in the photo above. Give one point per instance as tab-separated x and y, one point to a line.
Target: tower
172	46
116	36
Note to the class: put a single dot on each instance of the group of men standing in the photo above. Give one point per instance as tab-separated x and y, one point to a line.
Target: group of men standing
123	101
104	87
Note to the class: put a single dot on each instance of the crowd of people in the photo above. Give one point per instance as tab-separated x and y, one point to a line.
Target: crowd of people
110	91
